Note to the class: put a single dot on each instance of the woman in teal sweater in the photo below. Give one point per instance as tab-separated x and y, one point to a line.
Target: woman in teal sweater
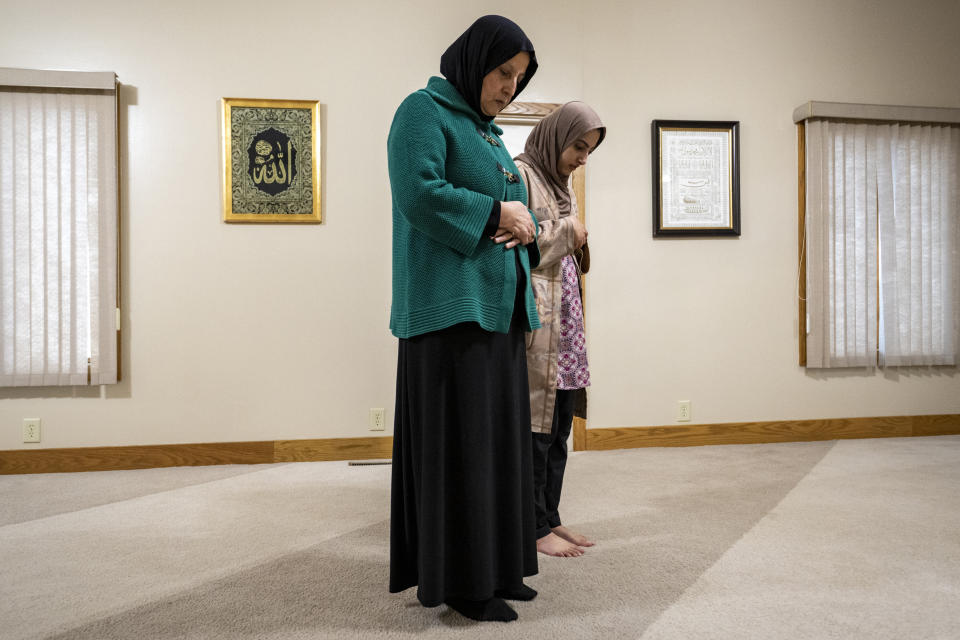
462	519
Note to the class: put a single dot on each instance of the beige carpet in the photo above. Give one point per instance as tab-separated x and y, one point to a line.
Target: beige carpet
848	539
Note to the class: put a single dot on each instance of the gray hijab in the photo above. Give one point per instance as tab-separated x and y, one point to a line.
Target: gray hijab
551	136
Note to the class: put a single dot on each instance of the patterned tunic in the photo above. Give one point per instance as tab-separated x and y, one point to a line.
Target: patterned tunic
572	370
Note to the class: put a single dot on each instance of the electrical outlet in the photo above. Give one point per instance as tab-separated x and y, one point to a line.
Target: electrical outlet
376	419
683	411
31	429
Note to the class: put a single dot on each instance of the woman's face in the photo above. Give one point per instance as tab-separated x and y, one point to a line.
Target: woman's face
576	154
500	84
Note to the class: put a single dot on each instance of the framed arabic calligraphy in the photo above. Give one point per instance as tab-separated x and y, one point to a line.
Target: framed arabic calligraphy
271	160
696	178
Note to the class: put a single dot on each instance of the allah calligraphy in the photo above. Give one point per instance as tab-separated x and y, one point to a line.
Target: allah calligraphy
271	154
696	178
272	161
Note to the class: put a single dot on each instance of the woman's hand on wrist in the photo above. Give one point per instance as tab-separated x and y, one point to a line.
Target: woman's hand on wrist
516	225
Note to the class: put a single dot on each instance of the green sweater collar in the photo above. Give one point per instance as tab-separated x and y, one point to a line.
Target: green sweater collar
444	93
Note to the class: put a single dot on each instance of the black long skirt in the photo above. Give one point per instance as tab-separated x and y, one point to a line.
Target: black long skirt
462	517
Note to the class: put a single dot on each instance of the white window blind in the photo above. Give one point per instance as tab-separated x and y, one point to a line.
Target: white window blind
58	228
918	216
882	234
841	245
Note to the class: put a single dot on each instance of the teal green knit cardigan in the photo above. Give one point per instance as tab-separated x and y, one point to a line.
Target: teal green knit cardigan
447	166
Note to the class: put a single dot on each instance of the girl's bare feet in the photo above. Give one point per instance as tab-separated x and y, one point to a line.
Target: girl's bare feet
553	545
570	536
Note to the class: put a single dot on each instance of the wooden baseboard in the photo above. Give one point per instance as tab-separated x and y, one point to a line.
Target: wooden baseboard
22	461
375	448
774	431
579	434
179	455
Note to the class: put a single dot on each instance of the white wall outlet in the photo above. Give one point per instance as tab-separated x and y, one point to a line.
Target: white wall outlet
31	429
377	419
683	411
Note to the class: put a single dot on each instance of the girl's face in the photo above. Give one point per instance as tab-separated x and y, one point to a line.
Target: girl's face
576	154
499	85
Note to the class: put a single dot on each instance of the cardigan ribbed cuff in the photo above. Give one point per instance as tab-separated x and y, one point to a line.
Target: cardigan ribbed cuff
493	222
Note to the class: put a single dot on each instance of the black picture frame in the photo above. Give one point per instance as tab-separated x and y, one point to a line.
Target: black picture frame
696	178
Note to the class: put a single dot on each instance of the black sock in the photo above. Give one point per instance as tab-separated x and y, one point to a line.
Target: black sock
492	609
523	592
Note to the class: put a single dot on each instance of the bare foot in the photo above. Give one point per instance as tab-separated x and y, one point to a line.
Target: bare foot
553	545
570	536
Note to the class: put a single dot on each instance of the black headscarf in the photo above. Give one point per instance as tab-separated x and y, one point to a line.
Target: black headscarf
488	43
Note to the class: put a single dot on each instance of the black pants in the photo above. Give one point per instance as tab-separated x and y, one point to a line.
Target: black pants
550	461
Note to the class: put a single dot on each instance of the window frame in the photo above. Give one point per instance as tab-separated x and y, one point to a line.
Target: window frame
851	112
106	81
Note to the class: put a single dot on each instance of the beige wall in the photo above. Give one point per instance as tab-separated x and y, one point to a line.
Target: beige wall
274	332
715	320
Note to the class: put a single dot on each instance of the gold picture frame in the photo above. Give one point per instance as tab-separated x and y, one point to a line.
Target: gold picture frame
271	160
